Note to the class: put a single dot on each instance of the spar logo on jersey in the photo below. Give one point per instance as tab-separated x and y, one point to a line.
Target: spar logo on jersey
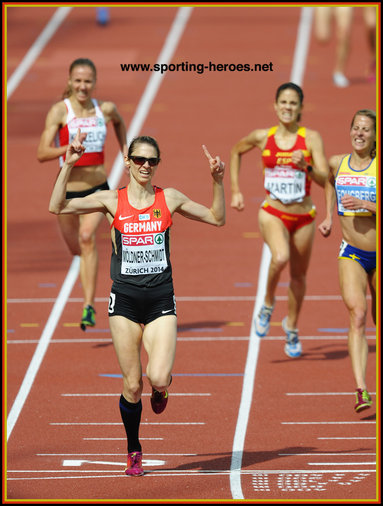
371	182
137	240
352	180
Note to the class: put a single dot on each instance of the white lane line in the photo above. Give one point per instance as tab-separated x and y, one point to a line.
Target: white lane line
120	423
363	422
79	474
186	298
170	45
341	463
173	394
328	454
175	472
191	339
42	346
121	438
114	454
366	437
299	64
58	17
325	393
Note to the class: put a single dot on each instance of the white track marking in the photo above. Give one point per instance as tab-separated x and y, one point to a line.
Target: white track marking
347	437
121	438
176	30
341	463
325	393
173	394
187	339
207	298
120	423
360	422
299	64
29	59
78	474
42	346
332	454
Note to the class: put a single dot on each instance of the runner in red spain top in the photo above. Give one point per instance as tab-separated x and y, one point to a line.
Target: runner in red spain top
283	180
142	306
292	157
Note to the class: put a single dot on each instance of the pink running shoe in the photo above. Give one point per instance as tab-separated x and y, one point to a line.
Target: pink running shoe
363	400
134	466
159	401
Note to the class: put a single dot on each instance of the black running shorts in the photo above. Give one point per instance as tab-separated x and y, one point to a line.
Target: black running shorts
143	304
84	193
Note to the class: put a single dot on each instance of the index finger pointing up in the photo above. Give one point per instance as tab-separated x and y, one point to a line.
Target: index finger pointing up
208	155
80	136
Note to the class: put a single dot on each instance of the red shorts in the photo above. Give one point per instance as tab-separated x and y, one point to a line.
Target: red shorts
291	221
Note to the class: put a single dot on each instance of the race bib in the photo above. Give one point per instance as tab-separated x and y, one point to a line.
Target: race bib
95	129
285	184
143	254
362	187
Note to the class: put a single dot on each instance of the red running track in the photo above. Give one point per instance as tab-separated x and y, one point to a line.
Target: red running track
303	439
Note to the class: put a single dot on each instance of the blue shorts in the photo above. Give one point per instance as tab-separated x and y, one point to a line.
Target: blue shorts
367	259
143	304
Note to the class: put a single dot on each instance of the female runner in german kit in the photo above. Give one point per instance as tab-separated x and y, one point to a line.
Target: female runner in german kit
142	304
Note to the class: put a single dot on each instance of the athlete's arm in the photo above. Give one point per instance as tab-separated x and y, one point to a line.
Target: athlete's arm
180	203
254	139
330	197
111	113
53	122
320	170
352	203
99	201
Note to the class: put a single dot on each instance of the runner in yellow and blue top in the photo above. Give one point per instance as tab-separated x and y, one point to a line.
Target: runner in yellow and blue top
142	304
352	186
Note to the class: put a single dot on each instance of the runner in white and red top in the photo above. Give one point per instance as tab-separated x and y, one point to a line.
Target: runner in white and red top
79	110
142	306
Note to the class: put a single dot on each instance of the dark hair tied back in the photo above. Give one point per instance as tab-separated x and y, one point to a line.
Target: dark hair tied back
290	86
144	139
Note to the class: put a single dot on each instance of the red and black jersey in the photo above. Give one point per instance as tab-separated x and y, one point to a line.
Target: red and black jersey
142	254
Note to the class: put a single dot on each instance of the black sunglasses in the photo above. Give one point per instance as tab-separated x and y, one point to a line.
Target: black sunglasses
141	160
